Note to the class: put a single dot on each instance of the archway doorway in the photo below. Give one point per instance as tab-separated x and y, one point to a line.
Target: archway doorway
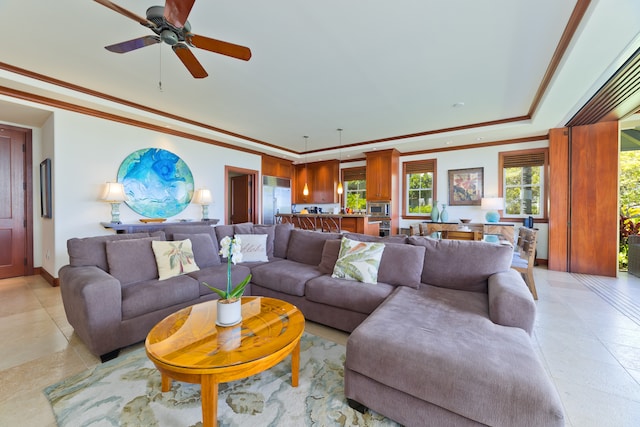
241	195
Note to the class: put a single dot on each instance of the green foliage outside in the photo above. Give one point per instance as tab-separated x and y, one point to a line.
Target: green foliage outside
420	193
356	195
629	202
520	180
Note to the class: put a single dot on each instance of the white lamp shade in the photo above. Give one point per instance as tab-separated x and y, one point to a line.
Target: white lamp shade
113	192
202	196
492	203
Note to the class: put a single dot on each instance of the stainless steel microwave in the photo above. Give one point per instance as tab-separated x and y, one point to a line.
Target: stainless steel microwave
379	209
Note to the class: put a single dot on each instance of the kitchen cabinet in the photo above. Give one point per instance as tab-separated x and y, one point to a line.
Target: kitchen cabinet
274	166
382	175
322	181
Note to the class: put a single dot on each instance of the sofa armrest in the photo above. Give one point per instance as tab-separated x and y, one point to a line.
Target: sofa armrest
510	302
92	301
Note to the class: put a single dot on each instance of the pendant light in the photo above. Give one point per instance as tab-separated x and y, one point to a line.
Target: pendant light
305	190
340	189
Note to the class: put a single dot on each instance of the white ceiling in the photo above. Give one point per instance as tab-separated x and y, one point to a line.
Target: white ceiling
377	69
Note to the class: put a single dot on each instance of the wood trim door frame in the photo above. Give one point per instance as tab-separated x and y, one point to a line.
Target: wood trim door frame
232	170
28	195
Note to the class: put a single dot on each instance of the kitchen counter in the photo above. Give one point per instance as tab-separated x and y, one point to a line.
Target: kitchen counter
353	223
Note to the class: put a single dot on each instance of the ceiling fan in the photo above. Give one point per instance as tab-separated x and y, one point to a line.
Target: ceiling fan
170	25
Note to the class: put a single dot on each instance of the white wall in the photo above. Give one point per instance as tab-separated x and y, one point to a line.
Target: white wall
486	157
88	152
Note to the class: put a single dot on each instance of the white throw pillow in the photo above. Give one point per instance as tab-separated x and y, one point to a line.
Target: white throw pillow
174	258
358	261
253	247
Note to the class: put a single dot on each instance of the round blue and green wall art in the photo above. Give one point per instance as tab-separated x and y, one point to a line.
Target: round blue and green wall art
158	184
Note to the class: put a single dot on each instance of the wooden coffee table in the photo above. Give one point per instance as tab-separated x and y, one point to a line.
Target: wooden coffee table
188	346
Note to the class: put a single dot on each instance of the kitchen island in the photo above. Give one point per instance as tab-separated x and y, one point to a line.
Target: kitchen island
351	223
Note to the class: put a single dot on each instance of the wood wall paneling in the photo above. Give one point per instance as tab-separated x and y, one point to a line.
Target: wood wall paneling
593	242
558	255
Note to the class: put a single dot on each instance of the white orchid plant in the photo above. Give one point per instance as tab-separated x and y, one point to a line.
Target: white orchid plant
230	249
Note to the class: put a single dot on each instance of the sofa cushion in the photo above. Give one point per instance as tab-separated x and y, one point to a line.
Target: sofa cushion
285	276
243	228
306	246
148	296
270	231
460	264
282	232
205	248
453	356
253	247
381	239
132	260
216	276
174	258
358	261
93	251
330	254
172	231
347	294
401	265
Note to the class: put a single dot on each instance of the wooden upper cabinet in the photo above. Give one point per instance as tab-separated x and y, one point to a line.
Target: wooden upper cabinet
382	175
274	166
322	181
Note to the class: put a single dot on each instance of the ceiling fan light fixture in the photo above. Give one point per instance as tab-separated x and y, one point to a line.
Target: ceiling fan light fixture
169	37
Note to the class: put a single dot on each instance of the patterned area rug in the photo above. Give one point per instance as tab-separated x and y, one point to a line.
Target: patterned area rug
126	392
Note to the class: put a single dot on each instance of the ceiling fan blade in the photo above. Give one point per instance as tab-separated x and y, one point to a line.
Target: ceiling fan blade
134	44
218	46
176	12
190	61
121	10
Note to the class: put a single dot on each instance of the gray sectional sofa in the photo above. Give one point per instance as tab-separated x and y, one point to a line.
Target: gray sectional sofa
442	338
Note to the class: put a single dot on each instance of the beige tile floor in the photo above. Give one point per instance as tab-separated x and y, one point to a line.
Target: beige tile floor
587	335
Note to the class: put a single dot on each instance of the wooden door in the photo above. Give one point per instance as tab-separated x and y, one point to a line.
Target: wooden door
593	242
241	201
13	203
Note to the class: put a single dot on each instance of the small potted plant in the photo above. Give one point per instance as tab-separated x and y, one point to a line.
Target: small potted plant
229	304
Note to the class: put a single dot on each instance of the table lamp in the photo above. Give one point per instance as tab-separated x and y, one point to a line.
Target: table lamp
492	205
202	196
114	193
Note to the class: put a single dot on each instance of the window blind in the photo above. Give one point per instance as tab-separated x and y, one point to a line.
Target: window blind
420	166
524	159
354	174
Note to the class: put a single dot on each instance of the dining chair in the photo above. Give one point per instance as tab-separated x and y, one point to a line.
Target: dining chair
524	257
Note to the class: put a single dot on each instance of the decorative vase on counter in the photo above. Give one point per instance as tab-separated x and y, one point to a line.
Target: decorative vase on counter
444	215
434	212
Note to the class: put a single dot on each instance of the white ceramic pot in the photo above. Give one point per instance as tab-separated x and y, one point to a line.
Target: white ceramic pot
229	312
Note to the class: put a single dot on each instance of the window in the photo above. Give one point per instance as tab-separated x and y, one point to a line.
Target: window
355	188
523	177
420	185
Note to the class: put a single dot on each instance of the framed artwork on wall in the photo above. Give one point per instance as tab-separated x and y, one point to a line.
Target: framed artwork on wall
157	183
466	186
45	188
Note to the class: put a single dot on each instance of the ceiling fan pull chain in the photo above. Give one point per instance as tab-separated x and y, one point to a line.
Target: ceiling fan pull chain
160	69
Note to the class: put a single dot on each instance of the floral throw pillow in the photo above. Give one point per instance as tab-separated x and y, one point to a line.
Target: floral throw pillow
358	261
174	258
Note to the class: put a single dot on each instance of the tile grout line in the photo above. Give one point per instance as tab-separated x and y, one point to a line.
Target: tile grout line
618	300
